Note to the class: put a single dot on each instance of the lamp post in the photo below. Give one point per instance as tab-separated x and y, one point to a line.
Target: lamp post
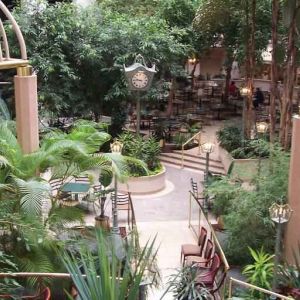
207	148
280	214
245	92
116	148
261	129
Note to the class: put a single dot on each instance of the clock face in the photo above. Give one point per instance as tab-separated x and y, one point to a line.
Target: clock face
139	80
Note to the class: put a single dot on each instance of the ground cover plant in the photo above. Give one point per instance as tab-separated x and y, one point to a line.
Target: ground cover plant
246	212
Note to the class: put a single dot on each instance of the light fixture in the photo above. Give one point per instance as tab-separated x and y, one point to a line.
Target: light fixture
280	213
244	91
116	147
262	127
192	60
207	147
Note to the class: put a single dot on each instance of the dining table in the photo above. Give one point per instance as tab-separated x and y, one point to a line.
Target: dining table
76	188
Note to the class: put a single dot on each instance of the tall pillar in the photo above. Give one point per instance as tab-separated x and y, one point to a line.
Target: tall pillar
26	109
292	235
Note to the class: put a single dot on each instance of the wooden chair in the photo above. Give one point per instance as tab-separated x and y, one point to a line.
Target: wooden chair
123	203
209	277
206	276
194	250
206	258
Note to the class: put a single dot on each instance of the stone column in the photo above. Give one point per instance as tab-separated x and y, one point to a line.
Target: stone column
292	235
26	109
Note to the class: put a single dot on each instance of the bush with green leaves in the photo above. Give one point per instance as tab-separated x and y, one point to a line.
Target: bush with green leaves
229	138
246	212
147	150
252	149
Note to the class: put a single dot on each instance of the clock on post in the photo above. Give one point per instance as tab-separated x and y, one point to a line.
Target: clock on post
138	75
139	78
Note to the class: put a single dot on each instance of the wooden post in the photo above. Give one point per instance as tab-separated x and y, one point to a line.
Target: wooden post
292	237
26	109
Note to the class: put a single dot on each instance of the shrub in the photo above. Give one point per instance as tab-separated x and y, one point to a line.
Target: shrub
147	150
230	138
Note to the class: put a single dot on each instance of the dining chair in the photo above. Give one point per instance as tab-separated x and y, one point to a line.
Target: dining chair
55	185
205	258
82	179
123	203
194	250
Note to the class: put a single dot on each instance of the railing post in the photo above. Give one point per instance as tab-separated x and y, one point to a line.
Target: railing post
190	209
199	143
182	149
230	288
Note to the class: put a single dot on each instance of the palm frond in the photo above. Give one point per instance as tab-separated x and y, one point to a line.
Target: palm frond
32	193
4	112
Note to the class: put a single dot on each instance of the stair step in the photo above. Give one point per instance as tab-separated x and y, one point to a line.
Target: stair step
192	165
197	156
193	159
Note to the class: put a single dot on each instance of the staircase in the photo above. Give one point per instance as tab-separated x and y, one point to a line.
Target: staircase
192	161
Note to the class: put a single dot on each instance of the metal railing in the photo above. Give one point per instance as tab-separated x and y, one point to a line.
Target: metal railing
253	287
196	137
203	221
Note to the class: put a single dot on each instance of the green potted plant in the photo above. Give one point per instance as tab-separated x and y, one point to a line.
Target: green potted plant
105	180
184	286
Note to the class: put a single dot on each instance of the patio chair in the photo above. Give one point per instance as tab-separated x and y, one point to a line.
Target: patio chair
123	203
206	276
194	250
209	277
194	187
206	258
82	179
55	186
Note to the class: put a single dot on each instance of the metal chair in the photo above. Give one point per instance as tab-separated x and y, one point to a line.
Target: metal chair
194	250
123	203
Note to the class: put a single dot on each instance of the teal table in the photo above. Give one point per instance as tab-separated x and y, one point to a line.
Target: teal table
76	188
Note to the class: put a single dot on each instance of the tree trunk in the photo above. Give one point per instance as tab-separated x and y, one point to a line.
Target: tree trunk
170	99
193	73
228	77
250	62
274	70
288	85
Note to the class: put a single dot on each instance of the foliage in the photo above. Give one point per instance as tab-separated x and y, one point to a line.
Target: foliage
247	219
86	53
107	276
289	274
230	138
260	273
147	150
184	286
223	192
252	149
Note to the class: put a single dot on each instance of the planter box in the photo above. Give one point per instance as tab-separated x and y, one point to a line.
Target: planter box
244	169
144	184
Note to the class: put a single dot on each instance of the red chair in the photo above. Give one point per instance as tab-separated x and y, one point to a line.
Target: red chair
207	255
206	276
194	250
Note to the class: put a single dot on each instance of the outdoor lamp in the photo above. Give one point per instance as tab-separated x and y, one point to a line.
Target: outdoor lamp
280	214
207	148
245	91
192	60
262	127
116	147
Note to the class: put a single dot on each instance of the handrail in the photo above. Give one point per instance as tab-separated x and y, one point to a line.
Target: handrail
214	236
254	287
197	137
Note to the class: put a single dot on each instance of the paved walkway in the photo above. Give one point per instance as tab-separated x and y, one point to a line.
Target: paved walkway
166	214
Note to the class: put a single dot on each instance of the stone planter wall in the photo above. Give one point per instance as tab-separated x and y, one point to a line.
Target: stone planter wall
244	169
144	184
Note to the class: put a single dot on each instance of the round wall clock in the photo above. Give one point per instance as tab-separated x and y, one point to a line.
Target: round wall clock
139	80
